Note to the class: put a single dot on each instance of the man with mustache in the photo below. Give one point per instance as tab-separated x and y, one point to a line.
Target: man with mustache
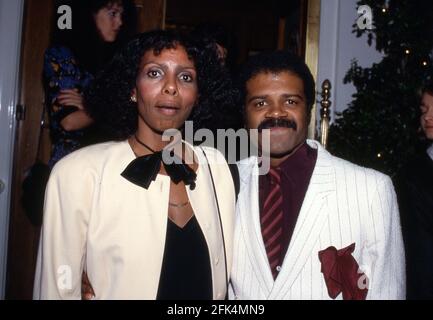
315	226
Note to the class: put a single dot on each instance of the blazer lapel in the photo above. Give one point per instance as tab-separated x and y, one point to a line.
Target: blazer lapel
207	215
312	217
249	215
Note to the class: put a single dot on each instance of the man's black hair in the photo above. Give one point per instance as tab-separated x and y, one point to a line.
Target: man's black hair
276	62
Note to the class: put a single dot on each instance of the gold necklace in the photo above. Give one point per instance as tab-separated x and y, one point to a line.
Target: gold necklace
180	205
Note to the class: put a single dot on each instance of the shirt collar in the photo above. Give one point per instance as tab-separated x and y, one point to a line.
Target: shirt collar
297	161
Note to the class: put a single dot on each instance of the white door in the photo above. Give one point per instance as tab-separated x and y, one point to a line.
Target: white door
338	46
11	13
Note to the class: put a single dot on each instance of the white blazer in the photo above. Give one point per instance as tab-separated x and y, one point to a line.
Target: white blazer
344	204
95	219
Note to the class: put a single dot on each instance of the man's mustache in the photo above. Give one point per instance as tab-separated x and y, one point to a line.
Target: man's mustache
277	122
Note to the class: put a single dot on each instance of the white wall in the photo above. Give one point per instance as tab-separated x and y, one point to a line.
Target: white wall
337	47
11	12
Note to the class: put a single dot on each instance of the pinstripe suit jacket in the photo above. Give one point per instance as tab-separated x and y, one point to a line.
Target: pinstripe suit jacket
344	204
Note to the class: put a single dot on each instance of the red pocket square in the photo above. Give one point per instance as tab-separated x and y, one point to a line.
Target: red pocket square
342	274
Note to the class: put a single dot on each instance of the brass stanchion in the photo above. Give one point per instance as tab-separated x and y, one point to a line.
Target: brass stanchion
324	112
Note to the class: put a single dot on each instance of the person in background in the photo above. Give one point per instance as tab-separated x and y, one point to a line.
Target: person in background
99	28
215	36
415	193
140	227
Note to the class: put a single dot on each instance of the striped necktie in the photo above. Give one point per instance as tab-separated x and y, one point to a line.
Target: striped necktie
272	221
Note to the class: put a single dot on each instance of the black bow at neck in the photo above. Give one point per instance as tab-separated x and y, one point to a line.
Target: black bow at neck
143	170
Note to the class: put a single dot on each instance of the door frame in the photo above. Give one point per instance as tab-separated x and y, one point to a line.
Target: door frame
312	55
11	17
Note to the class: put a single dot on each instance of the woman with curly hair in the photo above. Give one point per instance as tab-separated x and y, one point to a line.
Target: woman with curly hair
99	27
140	226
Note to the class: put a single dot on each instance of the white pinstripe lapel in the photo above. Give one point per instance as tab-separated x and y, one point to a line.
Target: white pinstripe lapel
311	220
250	223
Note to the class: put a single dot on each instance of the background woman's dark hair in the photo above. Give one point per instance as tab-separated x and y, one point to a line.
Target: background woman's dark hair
214	33
91	52
427	88
109	96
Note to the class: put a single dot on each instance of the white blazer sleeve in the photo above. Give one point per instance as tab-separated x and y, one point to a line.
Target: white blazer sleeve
62	244
388	278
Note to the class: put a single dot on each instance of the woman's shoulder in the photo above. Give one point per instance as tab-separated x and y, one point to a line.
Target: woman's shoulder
417	166
93	157
59	61
415	174
58	52
62	70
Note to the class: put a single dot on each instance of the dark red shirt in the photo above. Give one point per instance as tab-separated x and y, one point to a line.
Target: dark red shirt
296	173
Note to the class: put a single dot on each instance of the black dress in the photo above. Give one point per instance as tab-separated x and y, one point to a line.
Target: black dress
414	186
186	272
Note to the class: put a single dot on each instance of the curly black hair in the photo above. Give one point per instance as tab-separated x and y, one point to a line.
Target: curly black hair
108	99
278	61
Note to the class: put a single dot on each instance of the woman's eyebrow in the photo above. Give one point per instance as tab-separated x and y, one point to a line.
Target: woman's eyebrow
165	66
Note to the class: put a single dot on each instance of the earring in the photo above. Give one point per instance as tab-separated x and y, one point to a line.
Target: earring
134	99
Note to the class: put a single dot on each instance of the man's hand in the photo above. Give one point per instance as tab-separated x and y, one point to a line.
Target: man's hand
87	292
